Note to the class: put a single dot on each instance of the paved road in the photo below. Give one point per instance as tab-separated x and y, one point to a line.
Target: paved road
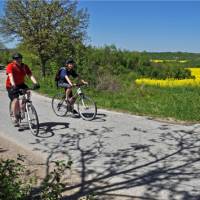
119	155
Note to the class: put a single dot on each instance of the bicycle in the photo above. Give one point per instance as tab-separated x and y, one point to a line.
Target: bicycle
27	110
86	107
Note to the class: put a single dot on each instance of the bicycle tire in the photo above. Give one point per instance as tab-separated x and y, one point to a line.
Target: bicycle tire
58	105
87	108
32	118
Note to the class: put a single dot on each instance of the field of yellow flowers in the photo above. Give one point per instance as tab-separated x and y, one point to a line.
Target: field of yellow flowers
161	61
173	82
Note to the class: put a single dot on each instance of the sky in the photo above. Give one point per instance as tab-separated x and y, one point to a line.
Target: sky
155	26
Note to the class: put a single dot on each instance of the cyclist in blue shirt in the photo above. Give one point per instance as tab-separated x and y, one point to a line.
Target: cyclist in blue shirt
65	81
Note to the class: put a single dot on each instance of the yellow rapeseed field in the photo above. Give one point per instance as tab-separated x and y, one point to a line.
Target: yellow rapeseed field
173	82
195	72
161	61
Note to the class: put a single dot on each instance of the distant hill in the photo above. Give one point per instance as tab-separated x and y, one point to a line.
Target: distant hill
173	55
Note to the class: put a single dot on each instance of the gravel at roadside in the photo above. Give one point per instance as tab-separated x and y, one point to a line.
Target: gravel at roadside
11	150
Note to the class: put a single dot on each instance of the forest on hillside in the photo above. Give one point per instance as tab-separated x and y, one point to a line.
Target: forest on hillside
94	63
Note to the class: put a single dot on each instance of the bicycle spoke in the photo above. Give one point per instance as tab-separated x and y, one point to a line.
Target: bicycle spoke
58	105
32	118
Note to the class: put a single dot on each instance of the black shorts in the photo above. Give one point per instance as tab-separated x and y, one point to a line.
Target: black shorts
12	94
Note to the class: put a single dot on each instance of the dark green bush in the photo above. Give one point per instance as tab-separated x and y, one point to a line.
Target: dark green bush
2	66
164	72
12	185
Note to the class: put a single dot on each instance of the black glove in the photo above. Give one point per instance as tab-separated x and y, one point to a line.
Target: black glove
36	86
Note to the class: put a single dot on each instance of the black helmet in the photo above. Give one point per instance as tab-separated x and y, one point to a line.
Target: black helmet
69	61
17	56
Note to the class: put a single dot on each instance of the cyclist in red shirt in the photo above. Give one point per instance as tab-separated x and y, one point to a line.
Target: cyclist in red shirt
17	71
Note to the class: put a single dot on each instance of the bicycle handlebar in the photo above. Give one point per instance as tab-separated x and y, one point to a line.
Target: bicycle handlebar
23	91
79	84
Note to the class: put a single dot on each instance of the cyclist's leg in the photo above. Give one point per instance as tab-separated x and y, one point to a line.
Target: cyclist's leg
68	89
13	95
15	108
69	94
71	100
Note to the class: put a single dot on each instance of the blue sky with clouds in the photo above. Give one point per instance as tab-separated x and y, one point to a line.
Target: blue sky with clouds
144	25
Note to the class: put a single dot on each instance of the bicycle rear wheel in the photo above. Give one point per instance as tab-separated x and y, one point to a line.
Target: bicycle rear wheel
58	105
87	108
32	118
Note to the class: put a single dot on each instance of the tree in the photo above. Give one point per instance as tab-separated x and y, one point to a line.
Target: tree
47	27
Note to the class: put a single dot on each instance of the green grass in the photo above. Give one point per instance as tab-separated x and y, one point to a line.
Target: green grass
178	103
181	103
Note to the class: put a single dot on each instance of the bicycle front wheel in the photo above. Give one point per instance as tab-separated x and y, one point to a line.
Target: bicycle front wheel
87	108
32	118
58	105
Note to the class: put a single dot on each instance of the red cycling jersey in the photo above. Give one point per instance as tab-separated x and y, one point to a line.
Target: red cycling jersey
18	72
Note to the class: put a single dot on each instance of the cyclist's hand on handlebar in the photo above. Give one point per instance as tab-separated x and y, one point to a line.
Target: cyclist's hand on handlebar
13	88
85	83
36	86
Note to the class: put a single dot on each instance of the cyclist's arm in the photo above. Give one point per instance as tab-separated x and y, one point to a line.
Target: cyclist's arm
33	79
81	80
30	75
10	75
68	80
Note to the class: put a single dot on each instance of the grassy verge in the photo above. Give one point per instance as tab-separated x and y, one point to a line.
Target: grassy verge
178	103
181	103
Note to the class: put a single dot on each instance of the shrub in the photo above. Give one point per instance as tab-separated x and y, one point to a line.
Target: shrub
12	185
164	72
107	82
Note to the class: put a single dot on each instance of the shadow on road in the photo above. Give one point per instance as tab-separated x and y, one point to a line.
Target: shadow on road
47	129
164	164
100	117
2	150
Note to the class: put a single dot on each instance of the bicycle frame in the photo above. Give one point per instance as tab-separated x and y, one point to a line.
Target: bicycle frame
78	93
26	108
23	99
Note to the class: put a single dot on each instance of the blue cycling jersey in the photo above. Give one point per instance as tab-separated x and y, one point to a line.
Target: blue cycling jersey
65	72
